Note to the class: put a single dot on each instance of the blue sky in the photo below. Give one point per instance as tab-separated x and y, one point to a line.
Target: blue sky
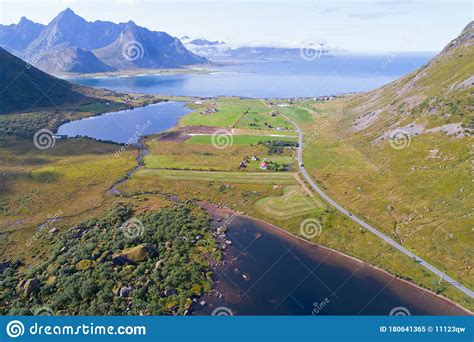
362	26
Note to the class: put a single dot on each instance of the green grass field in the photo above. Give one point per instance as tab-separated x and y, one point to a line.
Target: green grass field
230	111
221	177
263	132
205	157
300	115
238	113
238	139
294	202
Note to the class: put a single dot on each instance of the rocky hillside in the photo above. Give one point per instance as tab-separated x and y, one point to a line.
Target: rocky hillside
139	48
66	58
400	157
436	97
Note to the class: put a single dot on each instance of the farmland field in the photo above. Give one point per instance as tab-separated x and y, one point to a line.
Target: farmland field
235	113
294	202
238	139
222	177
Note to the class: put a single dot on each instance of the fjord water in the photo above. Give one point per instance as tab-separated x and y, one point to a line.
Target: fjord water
327	75
268	272
126	125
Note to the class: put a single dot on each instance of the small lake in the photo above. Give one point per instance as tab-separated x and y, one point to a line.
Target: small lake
268	272
327	75
128	125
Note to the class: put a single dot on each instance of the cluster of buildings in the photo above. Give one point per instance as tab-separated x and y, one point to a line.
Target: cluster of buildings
211	108
263	165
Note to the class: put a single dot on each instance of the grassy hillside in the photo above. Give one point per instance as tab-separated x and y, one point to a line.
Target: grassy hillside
400	157
24	87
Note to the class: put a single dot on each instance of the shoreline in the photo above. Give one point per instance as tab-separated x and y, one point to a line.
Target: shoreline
137	72
222	211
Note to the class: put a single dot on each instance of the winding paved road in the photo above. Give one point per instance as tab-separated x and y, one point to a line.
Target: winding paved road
399	247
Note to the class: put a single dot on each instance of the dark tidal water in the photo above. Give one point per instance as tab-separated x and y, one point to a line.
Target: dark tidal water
277	274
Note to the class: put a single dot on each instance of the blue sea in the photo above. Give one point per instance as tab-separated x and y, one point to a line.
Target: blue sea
327	75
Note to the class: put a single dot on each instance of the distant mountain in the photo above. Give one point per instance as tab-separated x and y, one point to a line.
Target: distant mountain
67	58
201	41
24	87
16	37
137	47
69	44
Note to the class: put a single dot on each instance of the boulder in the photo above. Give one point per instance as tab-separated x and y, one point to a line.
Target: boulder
5	264
32	286
170	292
128	269
50	282
20	285
125	291
84	265
159	264
133	255
96	253
104	256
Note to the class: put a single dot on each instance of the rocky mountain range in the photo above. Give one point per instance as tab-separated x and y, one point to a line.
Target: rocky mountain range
69	43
